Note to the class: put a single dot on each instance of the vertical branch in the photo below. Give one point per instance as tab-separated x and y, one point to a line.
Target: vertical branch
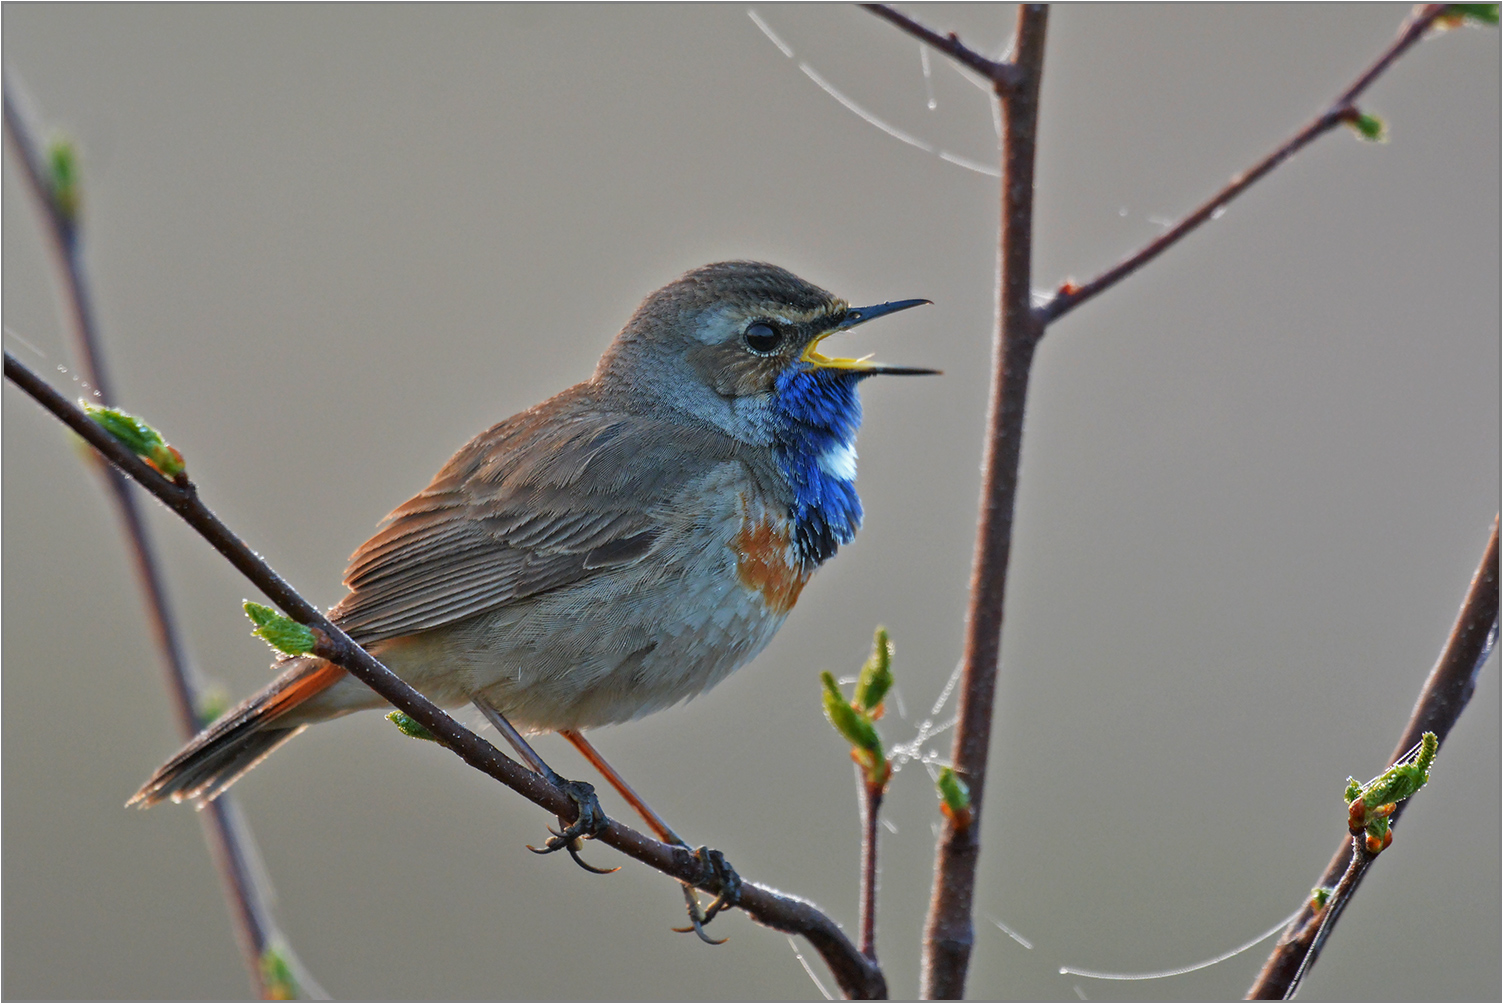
871	804
949	933
225	830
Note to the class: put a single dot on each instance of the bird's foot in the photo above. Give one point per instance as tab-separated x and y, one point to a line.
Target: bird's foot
589	821
717	873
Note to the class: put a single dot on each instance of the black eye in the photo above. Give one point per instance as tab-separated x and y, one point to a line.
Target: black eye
762	338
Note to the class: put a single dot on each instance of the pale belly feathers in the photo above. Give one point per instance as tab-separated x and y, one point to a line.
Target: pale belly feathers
710	595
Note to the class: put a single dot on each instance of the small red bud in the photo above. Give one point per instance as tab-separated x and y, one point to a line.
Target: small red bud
961	819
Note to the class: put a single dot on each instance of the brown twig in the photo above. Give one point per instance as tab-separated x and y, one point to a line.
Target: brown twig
858	976
1343	109
1361	860
1441	701
999	72
224	827
948	933
870	796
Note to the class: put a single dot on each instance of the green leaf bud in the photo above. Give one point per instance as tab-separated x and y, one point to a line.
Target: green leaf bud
954	796
876	676
280	632
62	177
1369	127
409	726
1370	805
138	437
1469	13
856	727
213	702
277	980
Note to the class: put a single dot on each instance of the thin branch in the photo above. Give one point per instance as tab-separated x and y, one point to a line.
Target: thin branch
1343	109
949	931
1444	696
224	828
870	796
1000	73
1361	860
857	975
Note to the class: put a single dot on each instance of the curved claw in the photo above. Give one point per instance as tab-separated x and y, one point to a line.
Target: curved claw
724	876
591	821
573	848
697	924
717	871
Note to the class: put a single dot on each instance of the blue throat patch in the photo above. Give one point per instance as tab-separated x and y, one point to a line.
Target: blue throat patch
818	414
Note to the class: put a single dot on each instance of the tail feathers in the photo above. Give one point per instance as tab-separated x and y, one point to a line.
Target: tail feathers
240	739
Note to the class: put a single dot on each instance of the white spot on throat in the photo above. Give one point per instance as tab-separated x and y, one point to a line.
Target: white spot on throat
839	461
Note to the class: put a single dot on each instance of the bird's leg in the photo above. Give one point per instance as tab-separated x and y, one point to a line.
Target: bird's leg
591	818
715	869
652	819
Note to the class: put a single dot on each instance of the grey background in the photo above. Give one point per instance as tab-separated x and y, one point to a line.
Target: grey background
331	243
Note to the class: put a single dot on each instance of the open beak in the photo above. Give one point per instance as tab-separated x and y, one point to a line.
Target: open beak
864	365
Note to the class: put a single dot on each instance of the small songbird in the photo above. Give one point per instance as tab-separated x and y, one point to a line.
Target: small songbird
617	549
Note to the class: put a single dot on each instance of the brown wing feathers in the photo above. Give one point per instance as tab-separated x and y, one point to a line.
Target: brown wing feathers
486	533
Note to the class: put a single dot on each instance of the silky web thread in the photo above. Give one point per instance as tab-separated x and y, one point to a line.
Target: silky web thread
1093	975
871	119
805	963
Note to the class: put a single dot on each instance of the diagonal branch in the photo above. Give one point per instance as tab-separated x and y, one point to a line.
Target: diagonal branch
224	827
858	976
1441	701
1343	109
1000	73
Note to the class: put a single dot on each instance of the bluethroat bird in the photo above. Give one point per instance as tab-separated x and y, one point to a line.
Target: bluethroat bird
617	549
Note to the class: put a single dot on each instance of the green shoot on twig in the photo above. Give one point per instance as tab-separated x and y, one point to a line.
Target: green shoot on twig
62	177
213	701
138	437
876	676
1369	127
409	726
1458	14
277	980
954	797
1369	805
854	718
279	631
